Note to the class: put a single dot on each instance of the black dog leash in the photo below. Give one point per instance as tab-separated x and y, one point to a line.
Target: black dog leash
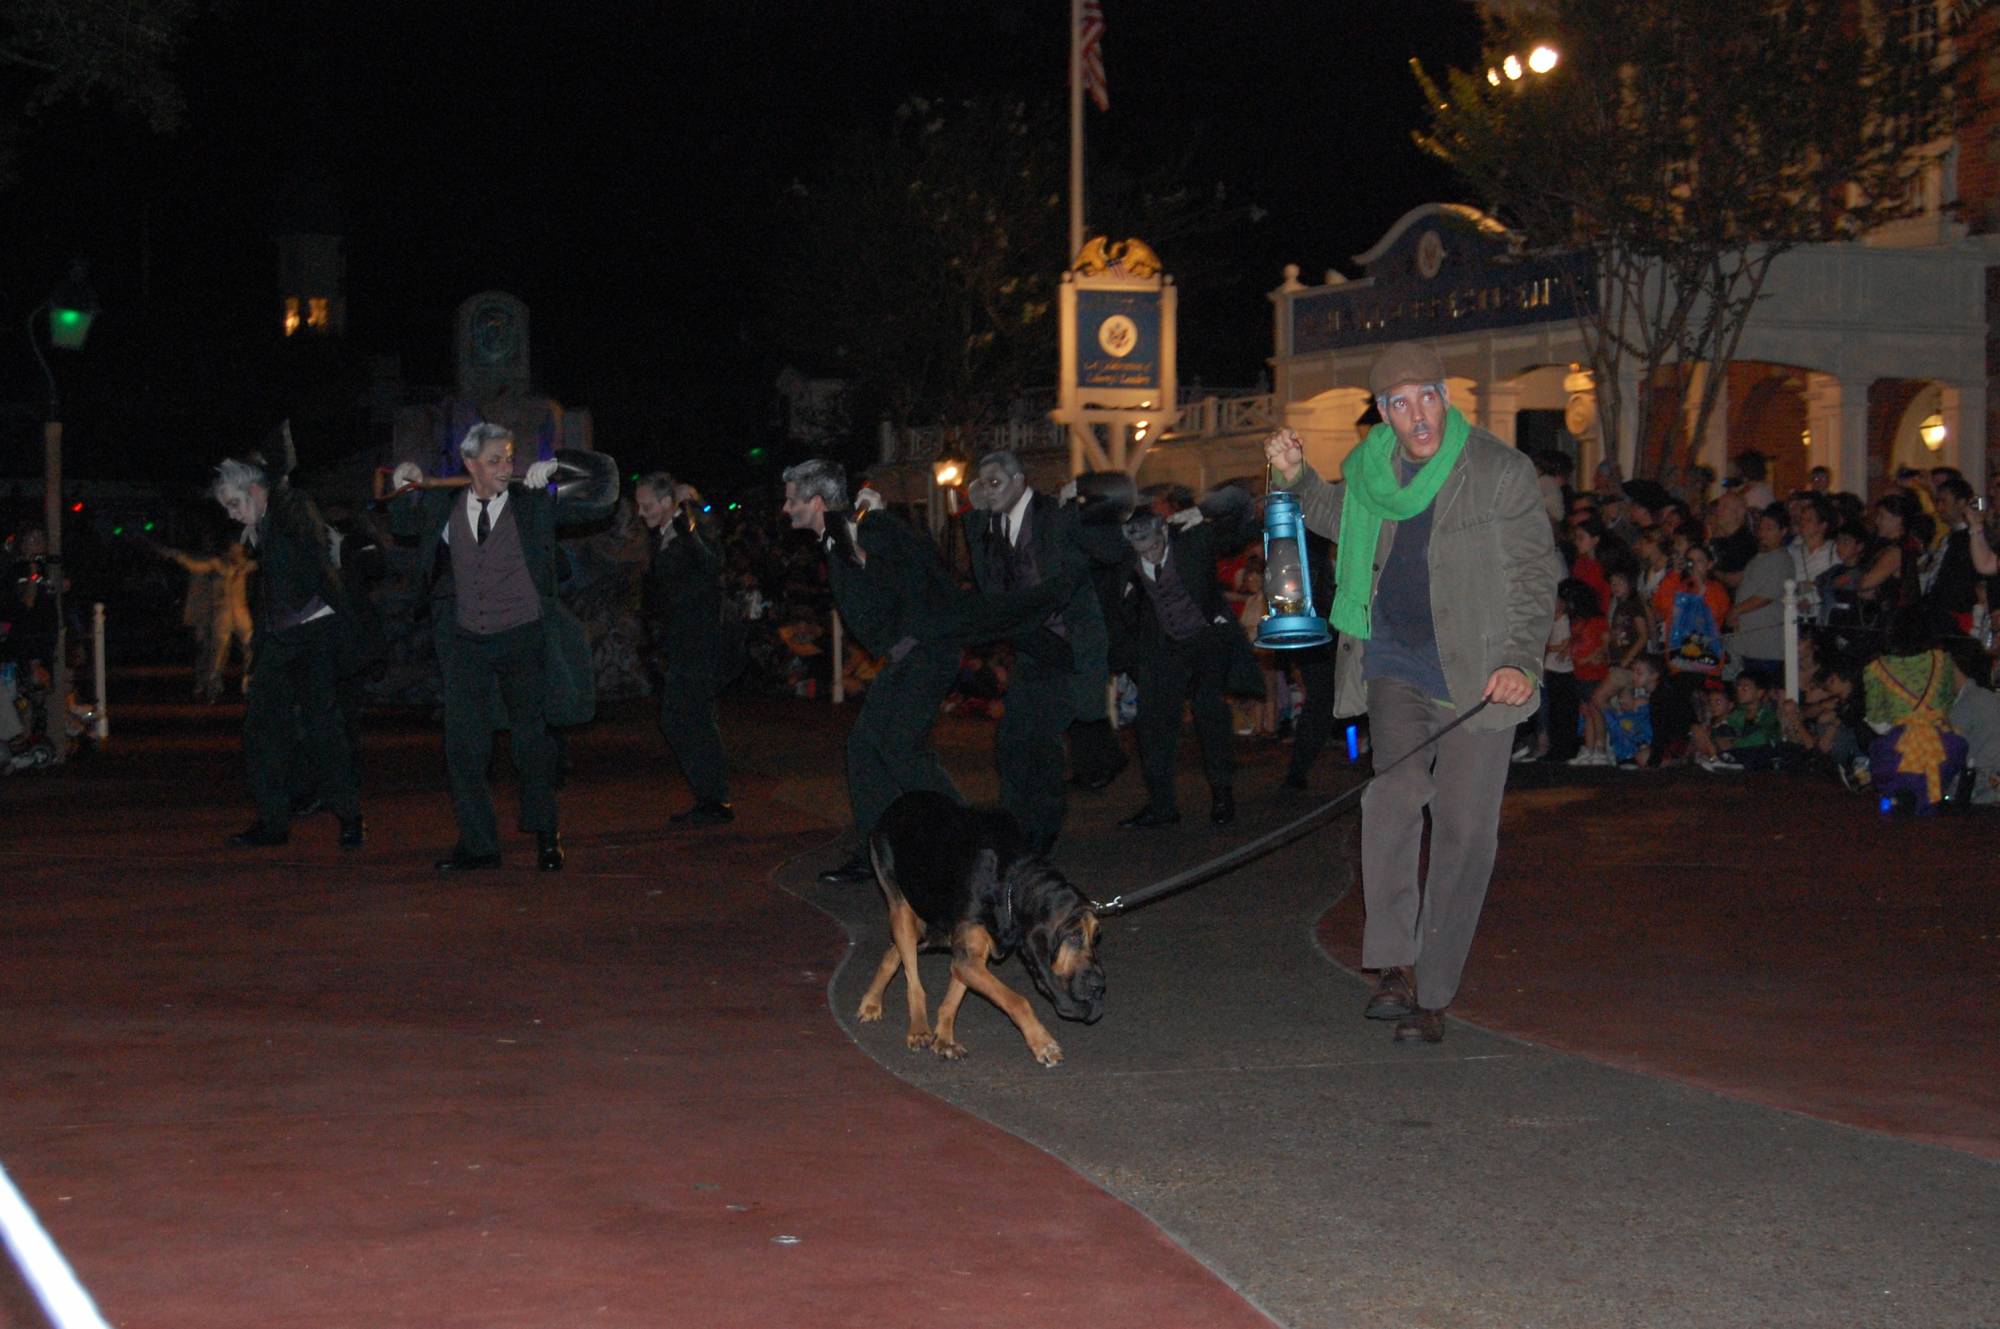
1264	844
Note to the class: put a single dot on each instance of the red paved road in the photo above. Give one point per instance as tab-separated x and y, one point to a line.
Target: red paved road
297	1088
1766	936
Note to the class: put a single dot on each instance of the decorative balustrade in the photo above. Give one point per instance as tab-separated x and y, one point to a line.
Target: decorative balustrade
1207	416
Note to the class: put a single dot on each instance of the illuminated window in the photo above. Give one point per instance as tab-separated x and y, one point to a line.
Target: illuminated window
317	314
291	314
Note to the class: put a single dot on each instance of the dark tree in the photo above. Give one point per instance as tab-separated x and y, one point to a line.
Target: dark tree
1686	147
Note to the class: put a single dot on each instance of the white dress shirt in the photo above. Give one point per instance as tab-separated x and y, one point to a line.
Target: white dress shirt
494	507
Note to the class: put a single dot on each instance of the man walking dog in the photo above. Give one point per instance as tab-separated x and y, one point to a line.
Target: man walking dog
1444	594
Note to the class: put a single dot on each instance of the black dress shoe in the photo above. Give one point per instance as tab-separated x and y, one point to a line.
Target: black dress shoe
1420	1026
548	850
1149	818
460	861
705	812
1222	807
257	835
851	873
1395	994
353	831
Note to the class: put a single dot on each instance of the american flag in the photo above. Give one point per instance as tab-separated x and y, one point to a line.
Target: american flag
1090	39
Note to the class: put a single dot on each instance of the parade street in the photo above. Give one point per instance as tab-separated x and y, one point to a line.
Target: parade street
1708	1068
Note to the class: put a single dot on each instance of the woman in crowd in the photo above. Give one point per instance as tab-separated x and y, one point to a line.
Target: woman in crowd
1889	581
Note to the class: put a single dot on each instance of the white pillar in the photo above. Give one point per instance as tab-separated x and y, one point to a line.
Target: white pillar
1837	414
1499	403
1851	472
1713	450
1964	412
1628	417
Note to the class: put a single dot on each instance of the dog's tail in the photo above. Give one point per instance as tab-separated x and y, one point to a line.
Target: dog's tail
882	855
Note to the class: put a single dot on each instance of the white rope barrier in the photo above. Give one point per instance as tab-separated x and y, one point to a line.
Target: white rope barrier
47	1274
1791	639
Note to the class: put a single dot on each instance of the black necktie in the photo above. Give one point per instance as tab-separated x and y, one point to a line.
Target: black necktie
479	532
1000	552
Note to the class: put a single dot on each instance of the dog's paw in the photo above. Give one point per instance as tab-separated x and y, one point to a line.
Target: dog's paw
1049	1053
869	1011
949	1049
918	1040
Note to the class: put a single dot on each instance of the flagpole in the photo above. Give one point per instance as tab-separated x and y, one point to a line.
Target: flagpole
1075	131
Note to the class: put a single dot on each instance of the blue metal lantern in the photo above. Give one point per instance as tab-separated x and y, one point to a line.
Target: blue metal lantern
1289	620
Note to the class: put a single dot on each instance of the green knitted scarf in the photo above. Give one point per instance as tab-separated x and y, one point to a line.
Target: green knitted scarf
1372	496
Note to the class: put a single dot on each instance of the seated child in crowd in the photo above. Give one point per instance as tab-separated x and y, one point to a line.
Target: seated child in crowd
1628	712
1747	736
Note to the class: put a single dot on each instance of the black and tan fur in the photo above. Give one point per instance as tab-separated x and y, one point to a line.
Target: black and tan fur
963	878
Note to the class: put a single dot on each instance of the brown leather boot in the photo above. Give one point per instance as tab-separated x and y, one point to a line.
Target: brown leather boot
1395	994
1421	1026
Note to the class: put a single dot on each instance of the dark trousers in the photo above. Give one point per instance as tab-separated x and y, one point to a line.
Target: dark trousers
1673	706
1427	923
1315	724
1094	754
687	718
1173	673
889	749
1564	696
293	719
1028	751
477	668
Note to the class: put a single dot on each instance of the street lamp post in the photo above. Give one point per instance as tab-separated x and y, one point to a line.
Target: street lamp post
71	307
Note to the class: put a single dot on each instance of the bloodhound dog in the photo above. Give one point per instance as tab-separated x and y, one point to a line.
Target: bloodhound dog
963	878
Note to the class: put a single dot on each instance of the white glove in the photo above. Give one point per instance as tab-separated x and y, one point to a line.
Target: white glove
1067	494
869	500
539	475
407	473
1187	520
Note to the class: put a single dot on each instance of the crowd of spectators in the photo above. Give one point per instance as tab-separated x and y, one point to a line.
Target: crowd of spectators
1668	645
1670	637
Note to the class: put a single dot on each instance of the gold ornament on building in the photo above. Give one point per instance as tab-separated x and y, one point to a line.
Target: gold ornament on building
1128	258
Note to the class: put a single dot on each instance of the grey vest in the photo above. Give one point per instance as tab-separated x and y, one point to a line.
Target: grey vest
494	590
1180	616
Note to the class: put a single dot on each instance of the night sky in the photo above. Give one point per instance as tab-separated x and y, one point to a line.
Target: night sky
620	167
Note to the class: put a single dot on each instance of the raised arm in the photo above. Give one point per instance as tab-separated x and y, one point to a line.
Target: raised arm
1319	501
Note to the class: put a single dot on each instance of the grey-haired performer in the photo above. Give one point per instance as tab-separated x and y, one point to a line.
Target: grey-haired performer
489	552
299	613
1444	592
1024	539
1191	652
900	603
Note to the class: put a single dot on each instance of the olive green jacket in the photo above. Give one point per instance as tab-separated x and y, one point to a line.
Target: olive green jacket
1494	570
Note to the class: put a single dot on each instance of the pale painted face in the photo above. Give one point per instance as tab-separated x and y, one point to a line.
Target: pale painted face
654	509
993	490
492	468
806	514
1153	548
1416	413
245	507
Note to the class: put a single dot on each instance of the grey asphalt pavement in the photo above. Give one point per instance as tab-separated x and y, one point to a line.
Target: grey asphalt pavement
1234	1094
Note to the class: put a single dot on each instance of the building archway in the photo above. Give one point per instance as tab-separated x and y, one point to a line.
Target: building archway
1767	415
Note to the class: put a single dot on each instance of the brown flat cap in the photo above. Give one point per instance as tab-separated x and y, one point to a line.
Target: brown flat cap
1405	362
